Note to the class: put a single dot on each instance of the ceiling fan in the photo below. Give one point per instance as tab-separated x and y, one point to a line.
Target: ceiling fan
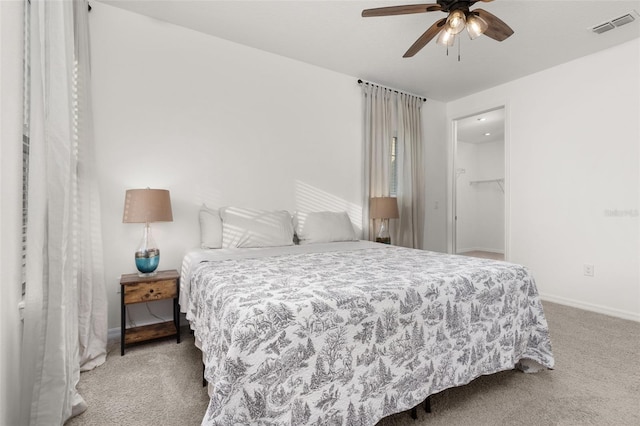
477	22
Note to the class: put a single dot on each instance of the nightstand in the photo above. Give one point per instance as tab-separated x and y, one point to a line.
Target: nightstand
136	289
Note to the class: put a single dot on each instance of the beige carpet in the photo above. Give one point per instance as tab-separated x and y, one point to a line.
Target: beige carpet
596	382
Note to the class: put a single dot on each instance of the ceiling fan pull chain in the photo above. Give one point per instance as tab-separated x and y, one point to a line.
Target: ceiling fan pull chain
458	49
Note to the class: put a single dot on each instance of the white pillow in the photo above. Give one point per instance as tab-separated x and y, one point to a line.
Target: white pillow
324	227
255	228
210	228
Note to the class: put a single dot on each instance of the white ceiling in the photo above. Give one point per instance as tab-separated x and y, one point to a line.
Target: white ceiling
333	35
485	127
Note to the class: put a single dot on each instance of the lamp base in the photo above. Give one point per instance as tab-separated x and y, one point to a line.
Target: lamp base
147	255
147	262
383	234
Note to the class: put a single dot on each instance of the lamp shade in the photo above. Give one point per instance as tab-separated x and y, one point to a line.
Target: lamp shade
147	205
456	21
446	38
476	26
383	208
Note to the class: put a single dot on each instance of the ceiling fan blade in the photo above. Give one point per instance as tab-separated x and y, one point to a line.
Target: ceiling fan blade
425	38
497	30
401	10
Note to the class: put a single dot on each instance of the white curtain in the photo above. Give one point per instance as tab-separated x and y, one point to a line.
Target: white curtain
65	314
388	113
411	196
378	131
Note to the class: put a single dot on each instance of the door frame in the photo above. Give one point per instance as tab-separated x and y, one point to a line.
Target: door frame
452	166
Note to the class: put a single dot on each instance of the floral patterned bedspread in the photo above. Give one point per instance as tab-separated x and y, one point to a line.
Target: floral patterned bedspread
351	336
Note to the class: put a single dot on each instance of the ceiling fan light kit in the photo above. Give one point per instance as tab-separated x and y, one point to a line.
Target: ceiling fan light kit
477	22
476	26
446	38
456	22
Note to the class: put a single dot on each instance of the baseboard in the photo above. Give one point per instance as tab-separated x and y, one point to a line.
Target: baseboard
463	250
113	335
490	250
618	313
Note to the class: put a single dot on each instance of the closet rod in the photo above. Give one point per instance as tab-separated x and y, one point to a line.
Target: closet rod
486	180
394	90
498	181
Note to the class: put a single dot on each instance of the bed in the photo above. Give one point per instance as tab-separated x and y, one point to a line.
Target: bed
346	333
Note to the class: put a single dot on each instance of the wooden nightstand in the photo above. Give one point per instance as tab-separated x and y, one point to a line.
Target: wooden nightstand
136	289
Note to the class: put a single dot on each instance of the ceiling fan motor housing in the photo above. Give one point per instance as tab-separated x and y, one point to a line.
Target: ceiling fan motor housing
450	5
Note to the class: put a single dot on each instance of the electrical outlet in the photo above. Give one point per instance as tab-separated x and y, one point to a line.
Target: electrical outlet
588	270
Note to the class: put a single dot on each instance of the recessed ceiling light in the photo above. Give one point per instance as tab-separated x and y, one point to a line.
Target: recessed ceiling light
482	119
487	134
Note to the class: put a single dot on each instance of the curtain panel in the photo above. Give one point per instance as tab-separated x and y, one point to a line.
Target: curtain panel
65	315
378	131
387	113
411	185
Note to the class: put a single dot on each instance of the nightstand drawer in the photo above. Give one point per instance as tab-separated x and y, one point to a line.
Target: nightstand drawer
147	292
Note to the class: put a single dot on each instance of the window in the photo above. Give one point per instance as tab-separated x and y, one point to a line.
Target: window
393	178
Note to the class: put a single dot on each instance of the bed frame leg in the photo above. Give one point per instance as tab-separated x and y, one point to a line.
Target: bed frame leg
427	404
427	408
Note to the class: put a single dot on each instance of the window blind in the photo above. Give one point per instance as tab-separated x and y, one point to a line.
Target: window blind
26	83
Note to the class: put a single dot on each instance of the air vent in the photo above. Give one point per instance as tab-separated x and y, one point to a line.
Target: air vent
618	22
615	22
603	28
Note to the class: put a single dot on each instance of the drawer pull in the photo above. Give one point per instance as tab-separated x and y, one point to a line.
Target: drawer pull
151	291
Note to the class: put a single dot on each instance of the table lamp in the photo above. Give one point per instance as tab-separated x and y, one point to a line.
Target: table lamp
383	208
146	206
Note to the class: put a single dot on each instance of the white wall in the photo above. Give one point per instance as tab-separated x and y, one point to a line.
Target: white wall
435	171
491	200
466	197
214	122
480	206
10	207
573	146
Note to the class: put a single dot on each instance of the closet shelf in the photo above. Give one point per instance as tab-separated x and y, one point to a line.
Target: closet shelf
500	182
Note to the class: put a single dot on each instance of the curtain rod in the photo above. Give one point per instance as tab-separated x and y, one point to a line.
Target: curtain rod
88	5
360	81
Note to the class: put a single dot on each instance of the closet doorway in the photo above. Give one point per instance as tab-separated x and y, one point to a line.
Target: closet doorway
479	185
